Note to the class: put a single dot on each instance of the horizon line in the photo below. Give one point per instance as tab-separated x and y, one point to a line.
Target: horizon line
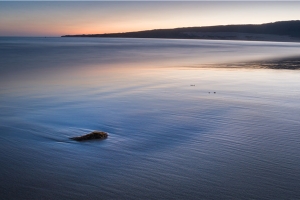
43	36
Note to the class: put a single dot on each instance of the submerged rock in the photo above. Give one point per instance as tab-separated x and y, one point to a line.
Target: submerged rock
95	135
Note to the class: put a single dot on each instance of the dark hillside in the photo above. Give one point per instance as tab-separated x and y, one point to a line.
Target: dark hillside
288	29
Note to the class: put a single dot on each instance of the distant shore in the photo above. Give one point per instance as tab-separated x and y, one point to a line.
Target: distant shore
285	31
216	36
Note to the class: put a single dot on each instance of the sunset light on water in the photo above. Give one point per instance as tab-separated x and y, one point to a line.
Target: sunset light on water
95	117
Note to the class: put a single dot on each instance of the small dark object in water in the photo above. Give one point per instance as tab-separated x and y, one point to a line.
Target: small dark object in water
192	85
214	92
209	92
91	136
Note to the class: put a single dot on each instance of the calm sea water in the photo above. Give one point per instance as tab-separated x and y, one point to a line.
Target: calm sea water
180	126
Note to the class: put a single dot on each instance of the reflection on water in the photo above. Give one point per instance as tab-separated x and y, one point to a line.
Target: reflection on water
167	139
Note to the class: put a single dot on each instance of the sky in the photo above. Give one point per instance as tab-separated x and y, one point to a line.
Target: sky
56	18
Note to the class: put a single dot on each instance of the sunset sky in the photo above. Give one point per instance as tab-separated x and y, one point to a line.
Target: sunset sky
61	18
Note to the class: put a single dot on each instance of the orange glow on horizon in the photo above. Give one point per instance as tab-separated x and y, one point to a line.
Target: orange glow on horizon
71	18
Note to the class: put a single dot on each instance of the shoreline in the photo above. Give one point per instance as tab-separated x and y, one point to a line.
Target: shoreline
223	37
280	31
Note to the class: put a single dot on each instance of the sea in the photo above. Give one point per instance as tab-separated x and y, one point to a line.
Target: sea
186	119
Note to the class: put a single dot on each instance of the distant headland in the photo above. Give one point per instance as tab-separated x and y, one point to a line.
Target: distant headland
286	31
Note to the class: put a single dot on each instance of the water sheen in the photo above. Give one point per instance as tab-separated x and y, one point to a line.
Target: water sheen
177	129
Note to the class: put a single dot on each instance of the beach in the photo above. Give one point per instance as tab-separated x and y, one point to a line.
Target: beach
186	119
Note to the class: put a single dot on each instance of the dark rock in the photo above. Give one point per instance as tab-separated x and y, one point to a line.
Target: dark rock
91	136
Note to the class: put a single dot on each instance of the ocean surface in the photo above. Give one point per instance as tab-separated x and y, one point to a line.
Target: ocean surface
187	119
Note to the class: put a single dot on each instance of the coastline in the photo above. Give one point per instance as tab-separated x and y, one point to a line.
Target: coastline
280	31
208	36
